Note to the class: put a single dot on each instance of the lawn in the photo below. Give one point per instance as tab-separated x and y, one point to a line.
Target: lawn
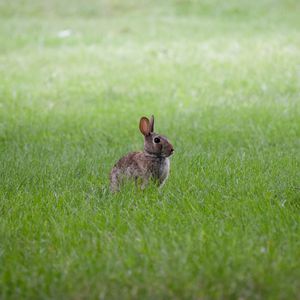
223	81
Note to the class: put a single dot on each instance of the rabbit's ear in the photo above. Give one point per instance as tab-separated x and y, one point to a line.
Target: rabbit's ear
144	126
151	124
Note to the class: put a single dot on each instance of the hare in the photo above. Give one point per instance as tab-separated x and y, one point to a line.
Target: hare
151	164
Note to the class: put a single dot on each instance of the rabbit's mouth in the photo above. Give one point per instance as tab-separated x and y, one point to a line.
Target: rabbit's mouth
171	150
168	153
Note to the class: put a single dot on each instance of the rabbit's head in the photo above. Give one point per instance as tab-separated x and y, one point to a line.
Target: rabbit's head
155	144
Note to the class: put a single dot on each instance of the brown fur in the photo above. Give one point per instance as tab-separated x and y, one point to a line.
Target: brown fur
151	164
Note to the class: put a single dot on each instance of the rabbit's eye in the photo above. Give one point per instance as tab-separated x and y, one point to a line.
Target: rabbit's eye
156	140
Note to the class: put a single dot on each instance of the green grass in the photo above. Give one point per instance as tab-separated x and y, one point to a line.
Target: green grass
222	80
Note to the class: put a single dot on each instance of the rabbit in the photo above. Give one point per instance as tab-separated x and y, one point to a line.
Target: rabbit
151	164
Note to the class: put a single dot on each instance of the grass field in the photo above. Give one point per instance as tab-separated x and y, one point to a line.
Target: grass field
223	81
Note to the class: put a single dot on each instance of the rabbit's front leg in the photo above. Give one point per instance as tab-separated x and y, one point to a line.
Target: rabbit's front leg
145	182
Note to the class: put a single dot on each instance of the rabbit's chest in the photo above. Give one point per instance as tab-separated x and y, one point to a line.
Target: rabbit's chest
164	168
161	170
